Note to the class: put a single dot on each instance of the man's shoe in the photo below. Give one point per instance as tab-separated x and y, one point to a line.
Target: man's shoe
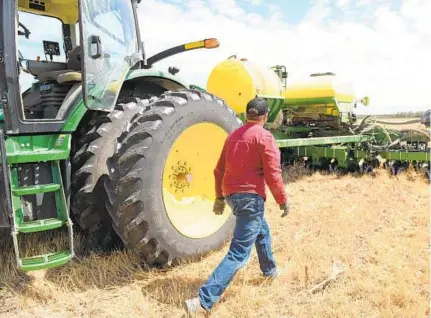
273	275
193	307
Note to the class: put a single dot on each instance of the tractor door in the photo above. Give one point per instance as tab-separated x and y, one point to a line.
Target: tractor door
110	43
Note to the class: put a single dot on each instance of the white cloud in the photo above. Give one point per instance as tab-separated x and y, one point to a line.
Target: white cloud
254	2
385	52
228	8
367	3
342	3
319	11
387	57
418	13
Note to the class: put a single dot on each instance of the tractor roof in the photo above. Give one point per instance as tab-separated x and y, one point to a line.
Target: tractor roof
65	10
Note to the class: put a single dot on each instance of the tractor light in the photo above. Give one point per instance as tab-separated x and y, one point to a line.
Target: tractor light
211	43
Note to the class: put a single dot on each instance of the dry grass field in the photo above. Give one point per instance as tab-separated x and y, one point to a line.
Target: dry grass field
378	228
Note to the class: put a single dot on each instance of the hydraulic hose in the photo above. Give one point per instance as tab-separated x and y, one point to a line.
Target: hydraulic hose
408	122
422	132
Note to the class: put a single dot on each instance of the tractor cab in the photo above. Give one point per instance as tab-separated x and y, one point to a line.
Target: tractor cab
58	59
58	53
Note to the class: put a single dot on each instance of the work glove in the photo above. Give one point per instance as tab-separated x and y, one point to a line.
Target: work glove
219	206
285	208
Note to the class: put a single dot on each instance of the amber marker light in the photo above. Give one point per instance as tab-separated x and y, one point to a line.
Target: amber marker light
211	43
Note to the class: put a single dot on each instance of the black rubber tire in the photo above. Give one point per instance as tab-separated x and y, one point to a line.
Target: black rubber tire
93	144
135	185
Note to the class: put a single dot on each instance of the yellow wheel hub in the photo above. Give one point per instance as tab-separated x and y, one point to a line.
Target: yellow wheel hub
188	181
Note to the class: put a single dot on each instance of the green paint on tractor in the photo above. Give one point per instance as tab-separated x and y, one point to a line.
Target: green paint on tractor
22	149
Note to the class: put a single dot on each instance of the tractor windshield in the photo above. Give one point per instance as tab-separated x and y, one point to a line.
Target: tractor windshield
109	29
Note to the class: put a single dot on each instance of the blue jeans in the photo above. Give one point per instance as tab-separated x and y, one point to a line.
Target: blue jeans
251	229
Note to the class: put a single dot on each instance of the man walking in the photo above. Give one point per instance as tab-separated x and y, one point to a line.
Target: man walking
249	159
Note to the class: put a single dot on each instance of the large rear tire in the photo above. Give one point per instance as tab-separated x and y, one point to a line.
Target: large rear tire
161	187
94	143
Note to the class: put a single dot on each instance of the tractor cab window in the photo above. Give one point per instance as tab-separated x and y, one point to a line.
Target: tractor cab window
111	46
31	47
115	39
49	67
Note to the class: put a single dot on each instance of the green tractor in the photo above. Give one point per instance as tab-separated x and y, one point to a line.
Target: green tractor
104	141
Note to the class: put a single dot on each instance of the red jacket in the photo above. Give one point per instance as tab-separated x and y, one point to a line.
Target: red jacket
249	159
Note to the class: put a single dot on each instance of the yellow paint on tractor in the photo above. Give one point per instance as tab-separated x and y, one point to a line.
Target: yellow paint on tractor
194	45
188	183
65	10
237	81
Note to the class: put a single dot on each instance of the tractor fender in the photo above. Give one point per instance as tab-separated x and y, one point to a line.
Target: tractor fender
148	82
163	79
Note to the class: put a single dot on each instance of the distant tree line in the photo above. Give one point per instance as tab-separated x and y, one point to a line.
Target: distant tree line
397	115
402	114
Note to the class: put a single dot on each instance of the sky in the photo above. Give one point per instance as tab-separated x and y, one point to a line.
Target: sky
382	46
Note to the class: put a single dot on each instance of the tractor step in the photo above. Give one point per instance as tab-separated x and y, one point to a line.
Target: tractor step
36	189
45	261
35	199
55	212
40	225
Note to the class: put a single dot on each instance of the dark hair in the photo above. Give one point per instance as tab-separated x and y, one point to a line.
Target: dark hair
256	108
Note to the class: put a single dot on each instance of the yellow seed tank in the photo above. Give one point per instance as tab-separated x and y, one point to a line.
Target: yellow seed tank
237	81
315	98
319	96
